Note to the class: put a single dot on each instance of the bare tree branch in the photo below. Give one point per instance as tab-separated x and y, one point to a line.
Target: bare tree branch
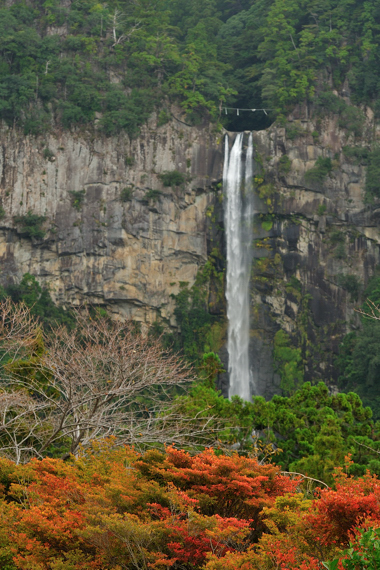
373	313
101	379
18	330
117	21
304	477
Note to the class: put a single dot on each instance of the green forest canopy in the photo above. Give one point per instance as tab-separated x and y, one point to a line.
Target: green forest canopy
118	61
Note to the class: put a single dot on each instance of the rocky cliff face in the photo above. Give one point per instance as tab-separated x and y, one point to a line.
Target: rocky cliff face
130	255
316	241
317	245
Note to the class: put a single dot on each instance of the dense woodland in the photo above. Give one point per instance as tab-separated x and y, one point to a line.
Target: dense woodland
113	457
116	449
114	63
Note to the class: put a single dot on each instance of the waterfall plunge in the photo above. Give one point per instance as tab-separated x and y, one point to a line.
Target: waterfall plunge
237	185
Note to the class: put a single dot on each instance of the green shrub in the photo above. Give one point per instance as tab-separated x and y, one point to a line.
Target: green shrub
40	303
129	161
372	183
340	251
323	167
37	122
294	283
321	209
31	225
153	195
284	164
363	553
267	225
77	198
350	117
288	360
267	221
356	154
294	130
353	120
351	284
314	430
2	212
328	101
336	236
196	325
126	112
47	153
163	118
172	178
126	194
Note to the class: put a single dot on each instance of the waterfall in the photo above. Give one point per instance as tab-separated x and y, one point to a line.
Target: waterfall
238	214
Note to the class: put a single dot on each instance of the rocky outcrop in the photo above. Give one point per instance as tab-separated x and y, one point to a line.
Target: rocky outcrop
316	244
115	234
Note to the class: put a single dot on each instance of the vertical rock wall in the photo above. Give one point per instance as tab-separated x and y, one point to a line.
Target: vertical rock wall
127	255
131	256
309	236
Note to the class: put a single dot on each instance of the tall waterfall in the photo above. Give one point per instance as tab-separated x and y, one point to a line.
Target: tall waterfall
238	214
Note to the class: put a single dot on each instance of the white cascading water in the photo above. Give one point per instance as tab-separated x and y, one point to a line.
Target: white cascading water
238	214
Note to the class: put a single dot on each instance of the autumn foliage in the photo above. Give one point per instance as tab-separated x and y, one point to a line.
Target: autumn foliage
114	509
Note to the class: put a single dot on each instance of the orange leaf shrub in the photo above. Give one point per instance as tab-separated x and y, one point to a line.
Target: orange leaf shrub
114	508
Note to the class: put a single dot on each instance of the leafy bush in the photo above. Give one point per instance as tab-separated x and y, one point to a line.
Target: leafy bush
126	194
357	154
288	362
40	303
2	212
48	154
267	221
163	118
294	130
267	225
372	183
126	113
323	167
340	251
172	178
161	509
353	120
77	198
358	361
326	101
129	161
363	554
284	164
152	194
294	284
31	225
312	429
194	320
351	284
336	236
